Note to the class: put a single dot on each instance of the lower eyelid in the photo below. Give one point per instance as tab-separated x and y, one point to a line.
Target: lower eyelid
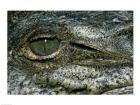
30	55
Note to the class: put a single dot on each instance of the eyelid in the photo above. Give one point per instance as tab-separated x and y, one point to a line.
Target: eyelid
42	36
30	55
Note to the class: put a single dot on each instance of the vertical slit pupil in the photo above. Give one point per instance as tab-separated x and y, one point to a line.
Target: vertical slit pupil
44	47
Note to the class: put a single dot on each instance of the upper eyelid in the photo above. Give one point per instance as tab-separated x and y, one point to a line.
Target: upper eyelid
37	32
41	36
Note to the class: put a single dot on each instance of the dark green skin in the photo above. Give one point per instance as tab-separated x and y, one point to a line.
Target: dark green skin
99	41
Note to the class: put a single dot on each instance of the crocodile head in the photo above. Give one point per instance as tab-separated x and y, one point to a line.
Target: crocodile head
70	52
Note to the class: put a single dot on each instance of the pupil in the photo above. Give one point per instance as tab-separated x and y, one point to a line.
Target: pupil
44	47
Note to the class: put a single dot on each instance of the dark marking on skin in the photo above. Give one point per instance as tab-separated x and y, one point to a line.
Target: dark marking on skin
91	52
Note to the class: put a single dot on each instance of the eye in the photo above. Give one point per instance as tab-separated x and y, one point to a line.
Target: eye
44	46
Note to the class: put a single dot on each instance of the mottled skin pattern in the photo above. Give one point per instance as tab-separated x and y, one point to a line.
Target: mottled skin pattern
95	55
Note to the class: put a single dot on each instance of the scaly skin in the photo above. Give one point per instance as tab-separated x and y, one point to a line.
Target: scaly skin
95	54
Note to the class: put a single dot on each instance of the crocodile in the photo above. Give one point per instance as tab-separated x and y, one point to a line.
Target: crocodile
70	52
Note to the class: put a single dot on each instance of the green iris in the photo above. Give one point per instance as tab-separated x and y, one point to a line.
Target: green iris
44	47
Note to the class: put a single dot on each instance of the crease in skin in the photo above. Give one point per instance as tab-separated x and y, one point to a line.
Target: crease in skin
90	59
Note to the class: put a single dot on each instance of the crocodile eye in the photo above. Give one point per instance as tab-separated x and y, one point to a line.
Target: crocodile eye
44	46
